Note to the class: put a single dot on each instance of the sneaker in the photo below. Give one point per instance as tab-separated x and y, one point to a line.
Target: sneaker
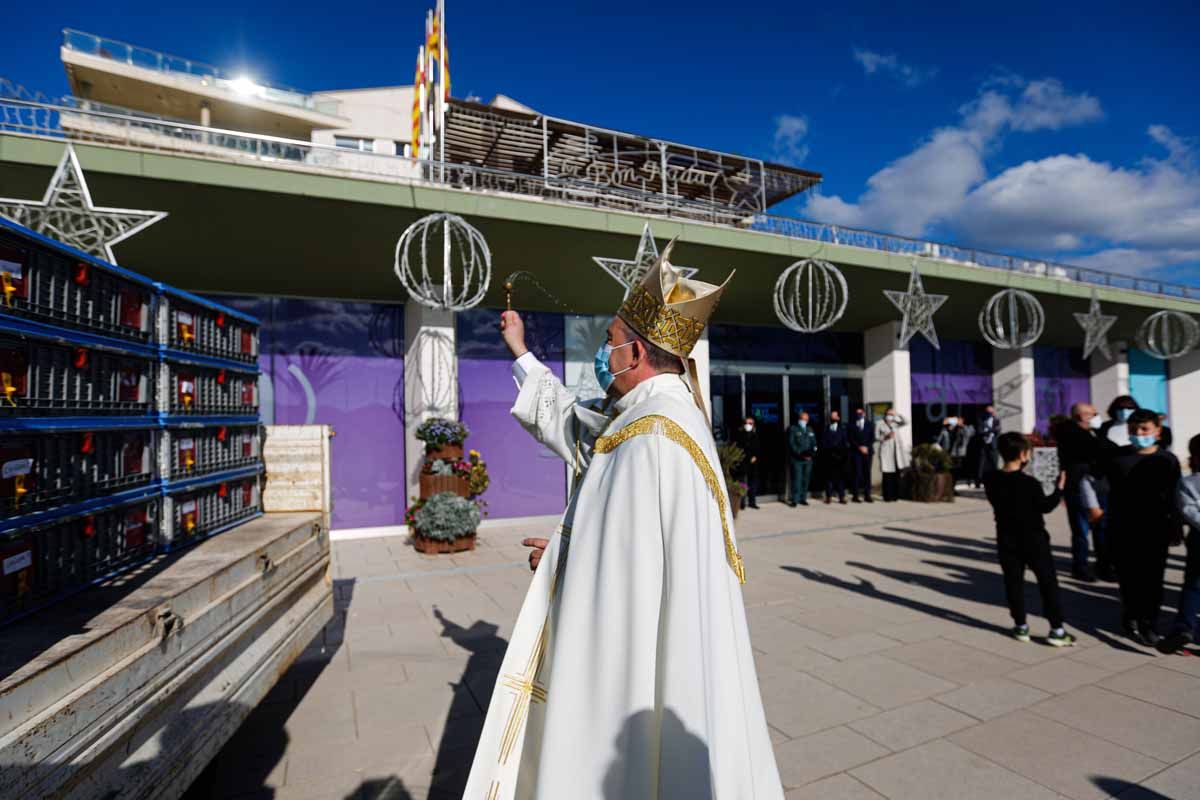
1062	640
1174	643
1149	636
1021	633
1083	575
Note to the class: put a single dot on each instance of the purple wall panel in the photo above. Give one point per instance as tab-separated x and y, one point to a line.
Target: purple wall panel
527	479
341	364
1061	379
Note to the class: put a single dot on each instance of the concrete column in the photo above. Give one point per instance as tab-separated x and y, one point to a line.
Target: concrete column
430	379
1013	389
1109	379
700	354
888	377
1183	401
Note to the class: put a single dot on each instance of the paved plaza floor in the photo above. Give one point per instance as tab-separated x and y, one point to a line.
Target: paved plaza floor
880	637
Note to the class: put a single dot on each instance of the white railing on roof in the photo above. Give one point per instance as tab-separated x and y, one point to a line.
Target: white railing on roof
79	121
202	73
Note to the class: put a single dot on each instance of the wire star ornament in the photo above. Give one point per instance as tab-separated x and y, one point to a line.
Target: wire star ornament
630	273
1095	328
918	309
66	213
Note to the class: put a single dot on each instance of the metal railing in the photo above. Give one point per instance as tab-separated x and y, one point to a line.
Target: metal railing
205	74
78	121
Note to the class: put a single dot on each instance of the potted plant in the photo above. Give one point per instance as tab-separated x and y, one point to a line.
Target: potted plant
443	438
444	523
932	474
444	475
731	457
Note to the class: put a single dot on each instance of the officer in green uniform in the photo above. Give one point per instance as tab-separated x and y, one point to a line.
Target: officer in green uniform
802	447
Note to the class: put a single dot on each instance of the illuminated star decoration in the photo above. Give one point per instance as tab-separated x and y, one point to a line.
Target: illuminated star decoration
1095	329
630	273
66	213
918	309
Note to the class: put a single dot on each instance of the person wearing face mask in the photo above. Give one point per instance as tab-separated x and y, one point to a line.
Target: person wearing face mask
1022	542
1187	619
861	435
955	439
1115	430
893	454
802	448
747	439
1079	449
1142	522
636	601
835	447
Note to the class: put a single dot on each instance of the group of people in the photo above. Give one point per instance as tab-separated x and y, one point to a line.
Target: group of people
1125	491
972	447
838	457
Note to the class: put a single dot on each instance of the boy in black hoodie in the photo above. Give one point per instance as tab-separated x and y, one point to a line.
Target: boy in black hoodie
1021	538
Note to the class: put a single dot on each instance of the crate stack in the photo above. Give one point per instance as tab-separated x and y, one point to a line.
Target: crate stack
128	419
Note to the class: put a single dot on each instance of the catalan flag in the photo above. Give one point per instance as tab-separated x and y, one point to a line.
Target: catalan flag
418	86
438	47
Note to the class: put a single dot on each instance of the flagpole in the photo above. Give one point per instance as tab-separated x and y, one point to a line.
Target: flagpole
442	86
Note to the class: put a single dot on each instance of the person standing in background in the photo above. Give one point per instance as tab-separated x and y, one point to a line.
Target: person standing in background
1079	448
1187	620
955	439
835	447
861	435
1116	431
1143	522
802	448
747	439
985	434
893	456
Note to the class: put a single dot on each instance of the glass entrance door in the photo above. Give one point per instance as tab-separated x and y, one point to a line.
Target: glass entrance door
775	400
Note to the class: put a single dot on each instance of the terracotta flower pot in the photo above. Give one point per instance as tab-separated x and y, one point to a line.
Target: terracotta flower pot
448	452
424	544
937	487
435	484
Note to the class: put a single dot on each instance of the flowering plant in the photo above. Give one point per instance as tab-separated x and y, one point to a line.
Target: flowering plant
446	517
477	473
439	432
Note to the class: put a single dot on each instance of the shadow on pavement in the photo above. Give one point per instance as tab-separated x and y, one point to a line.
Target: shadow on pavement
1095	611
1115	787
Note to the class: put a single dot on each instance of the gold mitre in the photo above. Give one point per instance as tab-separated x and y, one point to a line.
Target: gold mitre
670	310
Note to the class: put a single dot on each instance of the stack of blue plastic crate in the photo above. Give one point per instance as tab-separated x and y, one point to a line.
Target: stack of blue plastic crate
128	419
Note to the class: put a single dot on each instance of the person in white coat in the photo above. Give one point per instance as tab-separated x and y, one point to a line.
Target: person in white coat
629	672
893	453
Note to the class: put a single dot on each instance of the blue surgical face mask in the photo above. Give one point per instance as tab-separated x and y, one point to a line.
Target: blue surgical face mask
803	423
1124	413
1142	442
604	375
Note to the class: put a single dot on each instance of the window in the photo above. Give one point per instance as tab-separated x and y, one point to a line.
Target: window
354	143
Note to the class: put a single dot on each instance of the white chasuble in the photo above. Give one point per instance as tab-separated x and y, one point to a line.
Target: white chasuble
629	673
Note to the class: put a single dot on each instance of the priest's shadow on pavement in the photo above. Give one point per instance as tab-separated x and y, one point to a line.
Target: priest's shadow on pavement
251	765
1095	610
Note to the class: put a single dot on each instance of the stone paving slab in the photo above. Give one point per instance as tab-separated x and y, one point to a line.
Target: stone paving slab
880	635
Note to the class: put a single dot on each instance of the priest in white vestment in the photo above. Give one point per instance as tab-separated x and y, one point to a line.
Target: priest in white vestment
629	673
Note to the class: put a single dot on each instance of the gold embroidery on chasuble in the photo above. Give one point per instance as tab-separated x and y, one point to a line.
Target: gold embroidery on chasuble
662	426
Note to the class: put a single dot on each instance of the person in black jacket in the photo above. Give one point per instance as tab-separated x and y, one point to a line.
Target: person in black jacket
1022	541
835	449
1143	522
861	436
1079	450
747	439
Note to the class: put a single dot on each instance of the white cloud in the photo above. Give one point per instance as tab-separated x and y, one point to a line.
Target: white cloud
930	185
888	64
789	145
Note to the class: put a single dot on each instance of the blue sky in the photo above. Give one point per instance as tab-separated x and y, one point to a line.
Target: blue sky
1070	132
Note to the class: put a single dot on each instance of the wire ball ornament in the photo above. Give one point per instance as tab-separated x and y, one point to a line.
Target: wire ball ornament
444	263
811	296
1168	334
1012	319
